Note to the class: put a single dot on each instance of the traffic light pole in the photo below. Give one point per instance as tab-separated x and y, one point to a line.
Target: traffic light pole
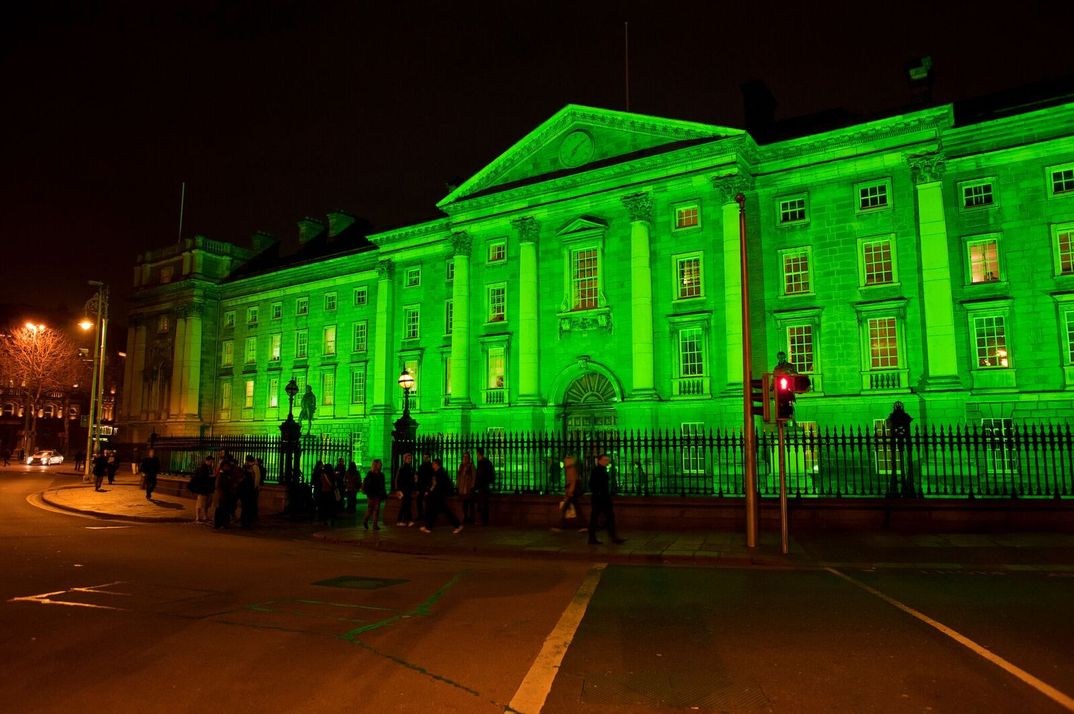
749	437
784	537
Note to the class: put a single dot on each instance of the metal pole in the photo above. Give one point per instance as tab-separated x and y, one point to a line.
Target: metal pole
784	546
749	438
91	417
101	365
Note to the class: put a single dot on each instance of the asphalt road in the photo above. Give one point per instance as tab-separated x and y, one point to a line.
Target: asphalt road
108	616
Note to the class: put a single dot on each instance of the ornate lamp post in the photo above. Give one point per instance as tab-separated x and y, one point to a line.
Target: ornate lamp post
97	306
290	431
406	429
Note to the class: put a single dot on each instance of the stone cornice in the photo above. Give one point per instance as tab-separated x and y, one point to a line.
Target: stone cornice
421	230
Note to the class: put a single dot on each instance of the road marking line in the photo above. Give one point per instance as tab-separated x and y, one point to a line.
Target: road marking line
1041	686
531	694
46	598
104	528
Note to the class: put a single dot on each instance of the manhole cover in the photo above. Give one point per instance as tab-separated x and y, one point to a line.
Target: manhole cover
358	582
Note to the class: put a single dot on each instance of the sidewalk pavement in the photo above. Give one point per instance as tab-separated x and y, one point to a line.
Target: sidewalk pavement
1010	552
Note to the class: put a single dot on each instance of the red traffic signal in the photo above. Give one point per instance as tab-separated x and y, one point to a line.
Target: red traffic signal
787	385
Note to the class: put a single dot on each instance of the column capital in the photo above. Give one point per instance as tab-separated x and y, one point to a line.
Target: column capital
640	206
461	243
731	185
527	229
385	269
928	167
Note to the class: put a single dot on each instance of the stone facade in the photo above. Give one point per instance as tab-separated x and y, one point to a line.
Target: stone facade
589	278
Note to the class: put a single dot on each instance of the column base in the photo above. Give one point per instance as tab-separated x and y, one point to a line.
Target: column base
530	401
943	383
734	389
644	395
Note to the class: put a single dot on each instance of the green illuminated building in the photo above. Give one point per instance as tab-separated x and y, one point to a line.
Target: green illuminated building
588	278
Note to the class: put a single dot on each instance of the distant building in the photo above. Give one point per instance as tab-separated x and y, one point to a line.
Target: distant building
589	278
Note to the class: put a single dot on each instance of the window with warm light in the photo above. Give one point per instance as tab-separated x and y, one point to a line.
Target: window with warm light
883	343
688	277
497	303
227	353
990	341
329	340
687	216
302	344
411	322
274	347
984	260
796	275
800	347
250	351
585	278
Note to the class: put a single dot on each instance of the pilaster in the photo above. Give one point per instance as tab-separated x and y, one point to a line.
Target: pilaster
528	357
640	207
191	406
731	340
460	326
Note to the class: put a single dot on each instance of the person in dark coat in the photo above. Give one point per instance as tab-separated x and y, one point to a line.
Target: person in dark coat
113	466
404	484
100	468
600	501
324	483
902	481
375	491
441	489
202	484
150	469
249	490
486	475
424	484
225	492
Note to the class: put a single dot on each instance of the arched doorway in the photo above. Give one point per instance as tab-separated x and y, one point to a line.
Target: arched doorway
588	405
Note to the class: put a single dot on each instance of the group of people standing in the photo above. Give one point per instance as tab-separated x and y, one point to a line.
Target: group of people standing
223	486
424	491
337	489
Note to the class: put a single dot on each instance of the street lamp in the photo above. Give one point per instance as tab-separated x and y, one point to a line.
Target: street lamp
406	381
406	429
98	306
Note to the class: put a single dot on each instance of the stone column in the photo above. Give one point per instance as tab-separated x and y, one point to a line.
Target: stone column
383	375
128	375
528	358
731	340
460	325
175	380
939	328
137	387
191	404
640	206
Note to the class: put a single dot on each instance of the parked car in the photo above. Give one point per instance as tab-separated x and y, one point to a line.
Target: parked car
45	458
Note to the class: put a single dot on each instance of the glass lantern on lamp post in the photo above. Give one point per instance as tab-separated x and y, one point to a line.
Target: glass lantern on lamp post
406	429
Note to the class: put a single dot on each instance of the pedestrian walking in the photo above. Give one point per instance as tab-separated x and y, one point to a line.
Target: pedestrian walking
600	501
486	475
80	459
351	484
113	466
202	485
134	462
150	469
465	479
569	507
224	492
375	492
439	491
339	476
424	484
404	485
324	483
249	491
902	481
100	468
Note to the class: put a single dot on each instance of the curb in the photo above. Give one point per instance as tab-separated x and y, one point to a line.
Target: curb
44	495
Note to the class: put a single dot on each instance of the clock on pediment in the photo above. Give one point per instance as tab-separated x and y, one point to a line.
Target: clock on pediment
576	149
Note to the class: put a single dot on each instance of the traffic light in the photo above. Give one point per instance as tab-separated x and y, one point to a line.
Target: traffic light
784	396
761	397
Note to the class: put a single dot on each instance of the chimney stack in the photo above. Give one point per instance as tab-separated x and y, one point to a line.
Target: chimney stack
339	221
262	241
308	229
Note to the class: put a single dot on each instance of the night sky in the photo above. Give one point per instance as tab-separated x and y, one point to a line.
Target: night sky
272	110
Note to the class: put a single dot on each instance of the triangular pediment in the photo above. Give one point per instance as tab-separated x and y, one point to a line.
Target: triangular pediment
580	138
581	226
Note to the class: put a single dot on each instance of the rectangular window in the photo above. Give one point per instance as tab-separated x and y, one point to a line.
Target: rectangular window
361	337
225	396
449	316
984	260
1064	245
330	302
251	316
274	347
358	385
494	393
800	347
878	265
977	194
687	216
693	454
1062	180
302	306
249	353
411	323
792	210
688	277
883	343
328	389
990	338
229	319
497	300
276	310
412	277
411	366
497	252
1002	448
329	340
248	400
1070	336
274	392
874	195
162	324
584	279
227	353
361	296
796	273
691	352
449	270
302	344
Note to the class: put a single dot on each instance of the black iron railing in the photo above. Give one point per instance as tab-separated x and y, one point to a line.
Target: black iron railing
181	455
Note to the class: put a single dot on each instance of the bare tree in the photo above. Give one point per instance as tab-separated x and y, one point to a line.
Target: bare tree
34	361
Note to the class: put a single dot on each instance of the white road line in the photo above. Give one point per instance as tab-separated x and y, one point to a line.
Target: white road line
531	694
46	598
1041	686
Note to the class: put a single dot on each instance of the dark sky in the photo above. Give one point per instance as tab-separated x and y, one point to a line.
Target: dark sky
275	109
